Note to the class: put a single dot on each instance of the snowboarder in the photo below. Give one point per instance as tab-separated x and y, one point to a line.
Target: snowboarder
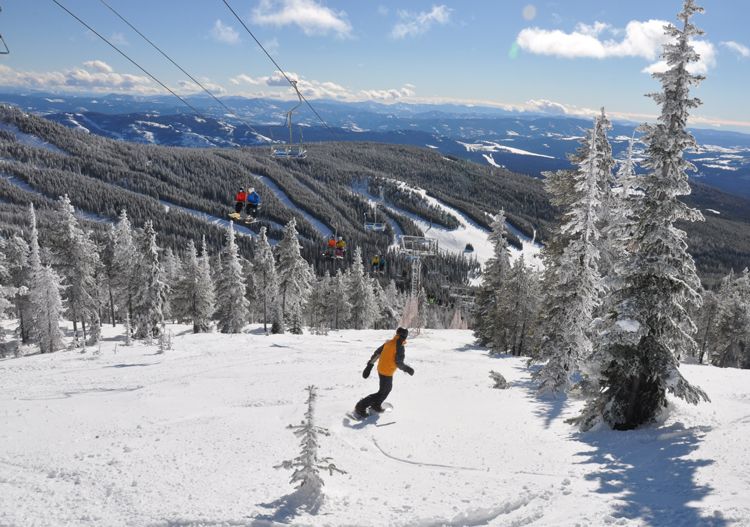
252	203
389	356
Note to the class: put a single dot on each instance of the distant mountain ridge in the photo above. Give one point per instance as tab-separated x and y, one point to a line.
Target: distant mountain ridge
525	142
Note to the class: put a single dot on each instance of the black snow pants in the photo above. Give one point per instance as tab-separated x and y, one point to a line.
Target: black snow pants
238	207
376	399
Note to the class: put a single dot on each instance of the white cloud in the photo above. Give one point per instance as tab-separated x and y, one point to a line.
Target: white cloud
98	65
314	89
94	76
224	33
638	39
189	87
414	24
309	15
741	50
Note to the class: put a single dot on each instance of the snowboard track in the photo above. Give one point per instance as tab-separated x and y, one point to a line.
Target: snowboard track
421	464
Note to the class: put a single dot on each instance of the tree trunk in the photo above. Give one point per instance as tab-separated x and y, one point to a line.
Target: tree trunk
111	306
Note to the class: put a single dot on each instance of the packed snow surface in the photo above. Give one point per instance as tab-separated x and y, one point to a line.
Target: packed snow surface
190	437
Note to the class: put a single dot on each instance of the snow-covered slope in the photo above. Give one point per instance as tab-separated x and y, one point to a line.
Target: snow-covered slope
191	437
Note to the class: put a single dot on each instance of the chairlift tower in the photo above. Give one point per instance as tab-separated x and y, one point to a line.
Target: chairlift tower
416	248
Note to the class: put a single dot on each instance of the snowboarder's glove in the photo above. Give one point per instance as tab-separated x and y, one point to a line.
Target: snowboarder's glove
367	371
409	370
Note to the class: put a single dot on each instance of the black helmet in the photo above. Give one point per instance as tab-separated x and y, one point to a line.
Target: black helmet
403	333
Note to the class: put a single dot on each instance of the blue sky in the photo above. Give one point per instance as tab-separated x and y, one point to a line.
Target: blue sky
562	56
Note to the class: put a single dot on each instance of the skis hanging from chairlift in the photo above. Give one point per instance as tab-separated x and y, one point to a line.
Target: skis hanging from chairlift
291	150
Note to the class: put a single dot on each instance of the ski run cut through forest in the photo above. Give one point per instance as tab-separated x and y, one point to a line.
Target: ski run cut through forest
127	436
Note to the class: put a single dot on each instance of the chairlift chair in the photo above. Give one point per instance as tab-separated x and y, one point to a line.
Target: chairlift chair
418	246
291	150
374	226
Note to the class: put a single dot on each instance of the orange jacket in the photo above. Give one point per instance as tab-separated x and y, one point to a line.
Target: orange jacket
390	356
331	243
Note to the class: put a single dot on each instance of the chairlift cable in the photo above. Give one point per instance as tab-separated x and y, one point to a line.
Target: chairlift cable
157	48
281	70
144	70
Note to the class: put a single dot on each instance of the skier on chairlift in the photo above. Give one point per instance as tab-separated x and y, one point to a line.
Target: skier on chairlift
252	203
340	247
330	251
240	199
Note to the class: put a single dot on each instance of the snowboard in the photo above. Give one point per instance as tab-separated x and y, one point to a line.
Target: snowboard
388	407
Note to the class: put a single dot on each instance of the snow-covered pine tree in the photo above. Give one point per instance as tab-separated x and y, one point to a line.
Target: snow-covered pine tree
151	290
494	278
76	258
17	253
6	290
649	327
44	296
107	259
125	264
605	164
388	312
193	296
307	465
337	305
578	288
519	309
172	266
732	345
205	294
232	306
266	281
316	305
295	275
361	295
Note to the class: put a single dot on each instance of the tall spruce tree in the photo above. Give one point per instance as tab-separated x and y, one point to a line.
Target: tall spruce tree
151	290
732	345
125	264
338	308
76	258
577	291
266	281
232	307
44	296
490	295
205	293
193	296
638	349
361	295
295	276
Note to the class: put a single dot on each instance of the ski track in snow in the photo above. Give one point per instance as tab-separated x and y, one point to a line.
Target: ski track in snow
30	140
318	225
191	437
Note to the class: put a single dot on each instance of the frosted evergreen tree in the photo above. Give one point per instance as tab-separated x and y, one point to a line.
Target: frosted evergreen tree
232	307
44	295
17	255
578	288
519	309
6	290
193	296
387	304
172	267
107	273
317	303
125	263
266	281
707	324
604	164
294	274
494	278
151	290
732	345
205	294
338	308
75	256
307	465
638	349
361	295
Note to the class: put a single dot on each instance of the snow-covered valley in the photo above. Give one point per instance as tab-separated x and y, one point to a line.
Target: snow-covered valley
191	437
